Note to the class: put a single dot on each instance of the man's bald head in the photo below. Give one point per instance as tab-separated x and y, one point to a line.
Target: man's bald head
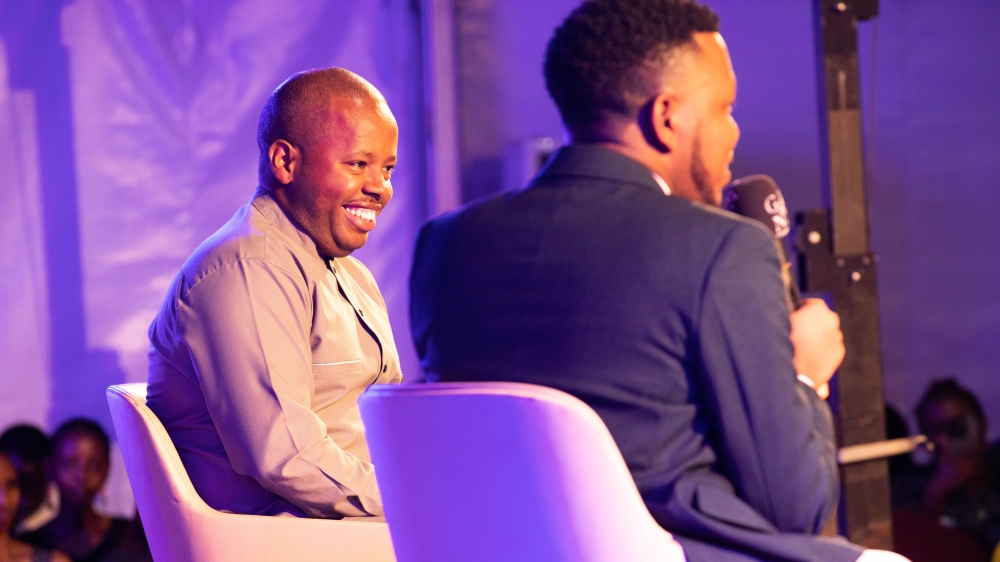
298	109
327	150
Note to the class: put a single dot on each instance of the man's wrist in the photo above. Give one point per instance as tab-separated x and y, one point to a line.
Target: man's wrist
823	391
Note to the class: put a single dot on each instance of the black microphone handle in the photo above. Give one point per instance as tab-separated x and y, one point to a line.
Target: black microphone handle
792	293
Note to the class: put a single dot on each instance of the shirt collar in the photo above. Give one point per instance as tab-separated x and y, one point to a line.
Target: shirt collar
661	182
279	220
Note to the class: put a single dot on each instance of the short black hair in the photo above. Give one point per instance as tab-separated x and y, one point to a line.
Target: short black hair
82	426
26	442
608	56
949	389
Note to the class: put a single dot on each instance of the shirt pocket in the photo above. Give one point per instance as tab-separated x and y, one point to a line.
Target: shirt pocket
340	367
333	382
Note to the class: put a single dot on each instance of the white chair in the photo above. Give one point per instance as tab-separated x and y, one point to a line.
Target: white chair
504	472
181	527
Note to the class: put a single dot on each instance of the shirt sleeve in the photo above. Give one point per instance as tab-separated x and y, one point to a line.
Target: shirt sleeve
247	328
773	435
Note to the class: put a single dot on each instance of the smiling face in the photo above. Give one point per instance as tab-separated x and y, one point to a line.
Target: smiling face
337	181
707	132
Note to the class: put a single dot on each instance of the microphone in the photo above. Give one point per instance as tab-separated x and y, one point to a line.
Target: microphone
758	197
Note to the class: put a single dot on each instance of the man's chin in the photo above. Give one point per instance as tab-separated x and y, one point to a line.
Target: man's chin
710	195
713	196
716	196
344	247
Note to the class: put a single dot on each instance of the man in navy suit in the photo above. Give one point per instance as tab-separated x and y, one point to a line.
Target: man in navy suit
613	276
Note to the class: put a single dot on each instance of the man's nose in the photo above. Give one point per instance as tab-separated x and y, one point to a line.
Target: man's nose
378	186
77	475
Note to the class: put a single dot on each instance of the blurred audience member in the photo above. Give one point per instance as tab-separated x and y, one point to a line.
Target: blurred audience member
27	448
10	498
963	489
79	464
917	535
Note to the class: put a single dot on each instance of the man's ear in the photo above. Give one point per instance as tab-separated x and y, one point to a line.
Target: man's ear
285	160
657	120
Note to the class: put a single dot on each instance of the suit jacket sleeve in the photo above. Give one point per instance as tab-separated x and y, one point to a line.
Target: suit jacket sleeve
246	326
773	435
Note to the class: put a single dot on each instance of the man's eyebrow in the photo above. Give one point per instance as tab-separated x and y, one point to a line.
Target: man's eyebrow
361	154
367	155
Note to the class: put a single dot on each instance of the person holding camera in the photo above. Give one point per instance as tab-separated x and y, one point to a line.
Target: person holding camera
963	491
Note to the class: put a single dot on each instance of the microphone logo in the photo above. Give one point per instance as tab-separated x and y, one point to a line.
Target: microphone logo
774	204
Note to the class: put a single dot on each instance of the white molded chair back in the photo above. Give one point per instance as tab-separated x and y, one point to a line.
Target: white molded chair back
181	527
504	472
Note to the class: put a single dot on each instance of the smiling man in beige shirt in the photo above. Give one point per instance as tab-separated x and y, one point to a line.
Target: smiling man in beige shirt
271	331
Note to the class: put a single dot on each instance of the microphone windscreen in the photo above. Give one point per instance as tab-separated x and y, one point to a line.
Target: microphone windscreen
758	197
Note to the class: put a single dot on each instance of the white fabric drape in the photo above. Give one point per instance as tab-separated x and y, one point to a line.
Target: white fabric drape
24	359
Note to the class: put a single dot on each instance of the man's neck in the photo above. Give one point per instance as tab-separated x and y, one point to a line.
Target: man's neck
626	139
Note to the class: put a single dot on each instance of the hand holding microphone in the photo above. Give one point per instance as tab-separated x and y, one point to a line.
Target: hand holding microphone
818	343
816	335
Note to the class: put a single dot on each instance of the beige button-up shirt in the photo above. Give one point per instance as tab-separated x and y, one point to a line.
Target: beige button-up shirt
257	358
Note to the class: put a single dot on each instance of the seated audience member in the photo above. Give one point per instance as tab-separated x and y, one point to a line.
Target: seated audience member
271	330
12	550
963	488
916	535
78	465
27	447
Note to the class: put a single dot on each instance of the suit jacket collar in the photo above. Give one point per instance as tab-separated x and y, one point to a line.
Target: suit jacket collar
598	162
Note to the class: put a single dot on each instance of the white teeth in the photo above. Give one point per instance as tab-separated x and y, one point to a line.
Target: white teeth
364	214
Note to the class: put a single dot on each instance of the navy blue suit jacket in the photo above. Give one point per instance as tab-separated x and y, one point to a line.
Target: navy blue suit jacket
667	317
